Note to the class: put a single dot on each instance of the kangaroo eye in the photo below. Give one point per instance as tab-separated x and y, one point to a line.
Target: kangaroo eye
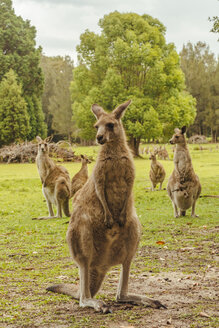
96	126
177	137
110	126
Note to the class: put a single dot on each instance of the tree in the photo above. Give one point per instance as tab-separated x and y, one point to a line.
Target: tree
56	96
215	20
18	52
14	120
201	71
131	60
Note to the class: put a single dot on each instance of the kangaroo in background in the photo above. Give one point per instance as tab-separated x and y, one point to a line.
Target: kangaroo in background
81	177
56	184
183	186
163	153
157	173
104	229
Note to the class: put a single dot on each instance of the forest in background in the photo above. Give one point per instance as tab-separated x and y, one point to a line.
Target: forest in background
129	59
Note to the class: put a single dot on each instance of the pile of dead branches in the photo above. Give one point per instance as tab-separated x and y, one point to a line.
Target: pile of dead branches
27	151
197	139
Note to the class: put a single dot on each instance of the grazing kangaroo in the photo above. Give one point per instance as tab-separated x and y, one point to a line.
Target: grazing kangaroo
163	153
104	229
81	177
183	186
55	180
157	173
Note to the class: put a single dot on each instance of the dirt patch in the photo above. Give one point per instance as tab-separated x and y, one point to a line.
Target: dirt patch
190	295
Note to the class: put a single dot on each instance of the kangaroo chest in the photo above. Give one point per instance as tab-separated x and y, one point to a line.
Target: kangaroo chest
182	161
119	178
42	169
118	173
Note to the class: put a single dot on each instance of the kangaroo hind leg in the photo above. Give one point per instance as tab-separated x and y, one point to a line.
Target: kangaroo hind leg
124	297
90	283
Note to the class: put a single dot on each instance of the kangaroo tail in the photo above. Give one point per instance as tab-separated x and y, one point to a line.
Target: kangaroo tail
66	289
66	208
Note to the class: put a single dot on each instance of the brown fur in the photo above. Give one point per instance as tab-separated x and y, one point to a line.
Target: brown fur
104	229
157	173
163	153
55	181
183	186
80	178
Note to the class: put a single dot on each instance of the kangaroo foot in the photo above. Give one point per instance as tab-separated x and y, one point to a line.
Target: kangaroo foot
98	305
143	300
46	217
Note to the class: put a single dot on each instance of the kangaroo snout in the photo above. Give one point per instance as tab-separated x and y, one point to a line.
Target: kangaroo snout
171	142
100	139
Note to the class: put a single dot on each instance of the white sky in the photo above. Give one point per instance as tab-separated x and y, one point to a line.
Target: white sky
60	23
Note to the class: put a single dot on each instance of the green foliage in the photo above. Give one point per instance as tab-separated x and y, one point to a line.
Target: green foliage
131	60
14	120
18	52
202	79
56	96
36	117
215	20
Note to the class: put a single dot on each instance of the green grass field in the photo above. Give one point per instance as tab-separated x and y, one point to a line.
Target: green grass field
176	261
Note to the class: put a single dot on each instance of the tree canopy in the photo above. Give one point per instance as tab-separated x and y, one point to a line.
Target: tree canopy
131	60
56	98
202	79
18	52
14	120
215	20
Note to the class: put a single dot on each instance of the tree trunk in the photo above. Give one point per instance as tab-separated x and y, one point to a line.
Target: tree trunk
213	135
134	145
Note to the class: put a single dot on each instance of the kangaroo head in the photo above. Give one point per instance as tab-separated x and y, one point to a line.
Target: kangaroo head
179	136
108	125
43	145
153	155
84	160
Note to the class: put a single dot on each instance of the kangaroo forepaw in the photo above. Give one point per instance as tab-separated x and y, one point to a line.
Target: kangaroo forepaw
121	220
108	221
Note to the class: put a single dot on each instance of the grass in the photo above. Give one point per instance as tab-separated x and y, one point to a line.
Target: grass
34	254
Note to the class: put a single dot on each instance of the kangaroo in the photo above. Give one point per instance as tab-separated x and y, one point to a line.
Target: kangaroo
183	186
56	184
104	229
81	177
157	173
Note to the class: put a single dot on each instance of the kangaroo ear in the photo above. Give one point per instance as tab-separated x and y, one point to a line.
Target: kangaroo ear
38	139
176	130
97	110
82	156
120	109
183	130
48	139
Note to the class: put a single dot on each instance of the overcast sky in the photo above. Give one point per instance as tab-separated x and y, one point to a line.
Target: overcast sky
59	23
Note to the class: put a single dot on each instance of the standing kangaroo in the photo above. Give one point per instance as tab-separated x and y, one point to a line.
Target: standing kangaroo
183	186
157	173
55	180
80	178
104	229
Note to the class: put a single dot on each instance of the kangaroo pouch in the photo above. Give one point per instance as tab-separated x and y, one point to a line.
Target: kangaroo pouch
183	199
